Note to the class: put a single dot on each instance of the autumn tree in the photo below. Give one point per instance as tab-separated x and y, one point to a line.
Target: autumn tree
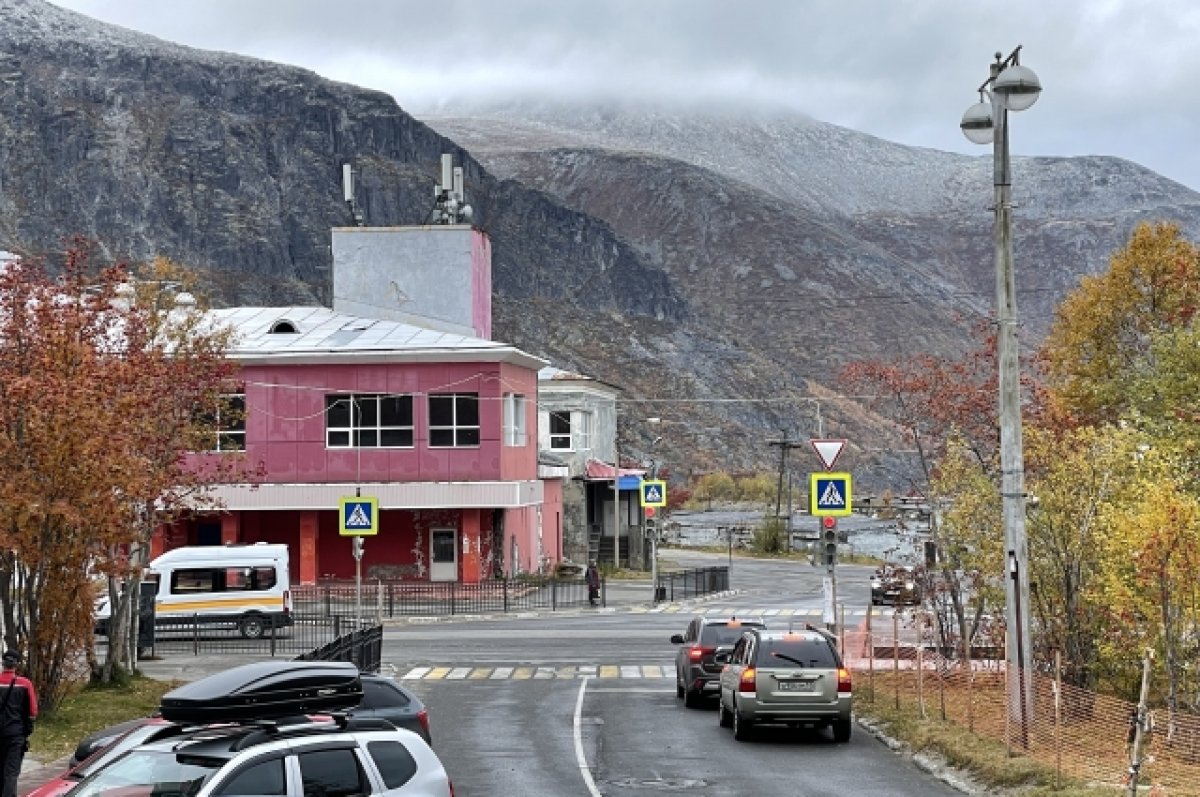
98	393
1075	476
1103	332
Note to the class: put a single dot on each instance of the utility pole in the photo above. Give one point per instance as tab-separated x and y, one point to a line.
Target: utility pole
785	445
1141	724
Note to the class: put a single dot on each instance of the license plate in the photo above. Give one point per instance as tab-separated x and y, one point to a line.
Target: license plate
795	686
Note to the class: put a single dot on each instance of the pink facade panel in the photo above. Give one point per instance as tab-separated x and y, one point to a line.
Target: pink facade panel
481	284
285	423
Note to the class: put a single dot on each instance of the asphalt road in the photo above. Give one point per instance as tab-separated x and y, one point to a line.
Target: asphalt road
585	705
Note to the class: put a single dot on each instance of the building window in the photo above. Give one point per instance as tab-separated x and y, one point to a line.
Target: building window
453	420
223	427
560	431
514	419
356	420
581	430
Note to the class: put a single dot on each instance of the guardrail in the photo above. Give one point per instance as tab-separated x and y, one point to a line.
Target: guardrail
362	648
198	634
382	599
679	584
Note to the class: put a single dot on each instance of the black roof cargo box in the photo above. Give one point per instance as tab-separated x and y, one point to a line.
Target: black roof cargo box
265	690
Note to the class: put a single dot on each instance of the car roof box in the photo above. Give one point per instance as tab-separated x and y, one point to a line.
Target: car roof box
265	690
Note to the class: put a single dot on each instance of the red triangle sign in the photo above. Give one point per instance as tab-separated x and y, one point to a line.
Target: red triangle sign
828	451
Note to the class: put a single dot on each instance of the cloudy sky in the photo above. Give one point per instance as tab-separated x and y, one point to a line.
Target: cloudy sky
1117	73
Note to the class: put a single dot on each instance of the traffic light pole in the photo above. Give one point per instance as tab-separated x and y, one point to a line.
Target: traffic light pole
829	541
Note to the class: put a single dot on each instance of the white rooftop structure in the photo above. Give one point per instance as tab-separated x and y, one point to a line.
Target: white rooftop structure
317	334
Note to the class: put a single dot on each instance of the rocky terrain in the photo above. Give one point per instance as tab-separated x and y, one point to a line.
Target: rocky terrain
720	268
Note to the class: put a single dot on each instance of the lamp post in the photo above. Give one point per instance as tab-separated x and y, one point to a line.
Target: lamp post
1009	87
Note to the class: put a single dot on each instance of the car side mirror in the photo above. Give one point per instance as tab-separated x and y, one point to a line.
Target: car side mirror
677	639
721	658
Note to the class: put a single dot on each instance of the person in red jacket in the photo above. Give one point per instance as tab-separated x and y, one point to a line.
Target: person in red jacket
18	710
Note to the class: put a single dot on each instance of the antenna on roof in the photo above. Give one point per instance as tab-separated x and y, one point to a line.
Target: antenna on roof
348	194
449	201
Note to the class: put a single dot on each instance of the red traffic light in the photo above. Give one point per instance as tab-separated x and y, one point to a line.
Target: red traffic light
828	522
649	511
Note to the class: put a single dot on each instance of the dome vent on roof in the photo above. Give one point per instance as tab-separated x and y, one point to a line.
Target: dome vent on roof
284	327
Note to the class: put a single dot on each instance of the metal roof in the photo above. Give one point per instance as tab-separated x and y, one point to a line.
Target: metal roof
263	333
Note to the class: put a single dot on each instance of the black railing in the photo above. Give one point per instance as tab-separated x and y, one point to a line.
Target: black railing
679	584
382	599
198	634
362	648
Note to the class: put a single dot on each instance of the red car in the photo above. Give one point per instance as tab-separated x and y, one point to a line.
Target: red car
141	730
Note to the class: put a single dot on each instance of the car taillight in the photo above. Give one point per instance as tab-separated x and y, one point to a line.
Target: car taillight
843	679
423	718
747	682
695	652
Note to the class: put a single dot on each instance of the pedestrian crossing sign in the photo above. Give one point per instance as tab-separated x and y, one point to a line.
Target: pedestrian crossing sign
654	493
829	494
358	516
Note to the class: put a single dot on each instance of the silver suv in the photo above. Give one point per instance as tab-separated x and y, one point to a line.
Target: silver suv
790	677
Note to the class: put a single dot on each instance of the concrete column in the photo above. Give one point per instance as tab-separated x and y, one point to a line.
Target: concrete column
307	571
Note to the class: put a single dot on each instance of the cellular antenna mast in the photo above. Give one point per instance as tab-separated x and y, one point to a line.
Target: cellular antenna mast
449	202
348	194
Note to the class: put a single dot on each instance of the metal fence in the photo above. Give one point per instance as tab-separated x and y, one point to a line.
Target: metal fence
1071	731
197	635
362	648
382	599
676	585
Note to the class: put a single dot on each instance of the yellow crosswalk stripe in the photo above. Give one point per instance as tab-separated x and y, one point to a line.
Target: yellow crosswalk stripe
566	671
437	673
481	672
522	673
610	671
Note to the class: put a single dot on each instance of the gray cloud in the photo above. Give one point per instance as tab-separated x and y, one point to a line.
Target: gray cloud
1117	73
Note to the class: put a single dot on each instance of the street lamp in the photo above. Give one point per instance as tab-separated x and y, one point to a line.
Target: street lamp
1009	86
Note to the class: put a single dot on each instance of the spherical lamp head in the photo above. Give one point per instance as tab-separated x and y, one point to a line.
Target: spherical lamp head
977	123
1020	87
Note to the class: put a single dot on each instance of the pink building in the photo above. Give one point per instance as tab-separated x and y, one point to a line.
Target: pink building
439	426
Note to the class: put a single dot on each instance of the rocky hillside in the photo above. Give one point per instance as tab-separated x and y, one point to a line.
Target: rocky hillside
718	268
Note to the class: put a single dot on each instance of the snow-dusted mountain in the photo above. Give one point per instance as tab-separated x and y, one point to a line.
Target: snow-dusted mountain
719	268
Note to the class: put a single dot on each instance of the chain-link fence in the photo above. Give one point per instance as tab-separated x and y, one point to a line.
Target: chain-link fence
1075	732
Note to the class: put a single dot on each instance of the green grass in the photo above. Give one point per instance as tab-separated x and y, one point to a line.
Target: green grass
92	708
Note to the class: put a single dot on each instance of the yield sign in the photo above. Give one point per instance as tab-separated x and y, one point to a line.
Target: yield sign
828	451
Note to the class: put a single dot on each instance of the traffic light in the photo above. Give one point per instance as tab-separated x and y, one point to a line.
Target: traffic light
829	540
651	528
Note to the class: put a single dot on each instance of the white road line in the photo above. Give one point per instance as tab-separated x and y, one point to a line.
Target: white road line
501	672
415	673
585	771
458	673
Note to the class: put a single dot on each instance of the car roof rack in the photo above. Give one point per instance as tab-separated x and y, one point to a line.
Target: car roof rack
265	691
268	731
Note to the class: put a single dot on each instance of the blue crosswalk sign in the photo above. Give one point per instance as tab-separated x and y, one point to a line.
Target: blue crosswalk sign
358	516
829	494
654	492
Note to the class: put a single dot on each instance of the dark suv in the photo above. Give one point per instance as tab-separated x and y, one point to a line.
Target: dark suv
696	672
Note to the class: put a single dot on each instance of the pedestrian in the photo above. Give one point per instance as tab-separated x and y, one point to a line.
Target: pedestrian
592	577
18	710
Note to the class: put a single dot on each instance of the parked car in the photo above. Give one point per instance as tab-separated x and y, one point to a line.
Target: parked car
255	729
145	729
896	585
382	696
696	671
790	677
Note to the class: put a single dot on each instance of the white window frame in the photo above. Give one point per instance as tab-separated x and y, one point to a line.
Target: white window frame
583	427
356	428
515	435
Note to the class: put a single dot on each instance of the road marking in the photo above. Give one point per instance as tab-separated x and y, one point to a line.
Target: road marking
630	690
481	672
501	672
652	671
522	673
585	771
610	671
544	672
566	672
415	673
437	673
630	671
458	673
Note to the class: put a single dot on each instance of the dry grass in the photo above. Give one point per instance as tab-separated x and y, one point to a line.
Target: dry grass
89	709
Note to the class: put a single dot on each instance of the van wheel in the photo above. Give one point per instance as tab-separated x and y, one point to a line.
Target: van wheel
252	626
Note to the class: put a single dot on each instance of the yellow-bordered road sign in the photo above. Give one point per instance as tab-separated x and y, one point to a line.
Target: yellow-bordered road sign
358	516
829	494
654	493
